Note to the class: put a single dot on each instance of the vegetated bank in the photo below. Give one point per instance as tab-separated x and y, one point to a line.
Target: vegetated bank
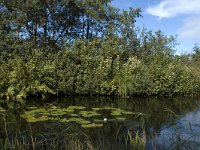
87	48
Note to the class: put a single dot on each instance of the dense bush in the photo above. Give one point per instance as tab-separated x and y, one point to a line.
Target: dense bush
86	69
86	48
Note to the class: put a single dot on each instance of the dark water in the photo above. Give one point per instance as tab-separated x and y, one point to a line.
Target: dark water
164	123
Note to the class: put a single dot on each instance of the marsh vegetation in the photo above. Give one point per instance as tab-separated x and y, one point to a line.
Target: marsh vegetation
52	50
98	50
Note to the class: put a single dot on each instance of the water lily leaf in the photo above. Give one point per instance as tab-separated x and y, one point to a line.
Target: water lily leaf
64	120
95	109
73	115
32	113
69	110
92	125
2	110
75	119
79	120
116	113
39	119
54	107
58	113
120	118
76	107
127	113
118	109
98	120
84	122
108	108
89	113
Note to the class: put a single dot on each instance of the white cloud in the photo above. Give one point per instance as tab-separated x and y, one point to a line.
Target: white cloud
172	8
190	28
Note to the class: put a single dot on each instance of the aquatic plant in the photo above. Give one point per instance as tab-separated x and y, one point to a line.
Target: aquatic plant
92	125
76	107
116	113
89	113
79	120
38	119
98	120
136	140
2	110
79	114
120	118
96	108
108	108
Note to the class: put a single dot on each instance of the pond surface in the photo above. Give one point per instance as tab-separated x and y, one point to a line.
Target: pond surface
100	123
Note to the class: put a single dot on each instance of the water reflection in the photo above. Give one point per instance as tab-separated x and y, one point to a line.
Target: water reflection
182	133
160	123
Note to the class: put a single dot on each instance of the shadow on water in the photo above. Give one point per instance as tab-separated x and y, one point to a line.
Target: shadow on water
104	123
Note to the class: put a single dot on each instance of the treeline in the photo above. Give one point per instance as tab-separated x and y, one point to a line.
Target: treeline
86	47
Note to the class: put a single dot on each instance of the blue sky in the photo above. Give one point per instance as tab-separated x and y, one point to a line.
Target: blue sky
172	17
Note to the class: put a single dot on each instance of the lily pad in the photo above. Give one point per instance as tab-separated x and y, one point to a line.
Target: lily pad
76	107
95	109
108	108
98	120
2	110
120	118
57	113
116	113
73	115
127	113
39	119
64	120
69	110
75	119
84	122
32	113
54	107
79	120
92	125
89	113
118	109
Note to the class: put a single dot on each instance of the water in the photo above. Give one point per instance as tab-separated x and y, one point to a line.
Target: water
158	123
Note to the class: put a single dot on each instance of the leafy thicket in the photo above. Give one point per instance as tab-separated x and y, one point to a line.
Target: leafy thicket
86	48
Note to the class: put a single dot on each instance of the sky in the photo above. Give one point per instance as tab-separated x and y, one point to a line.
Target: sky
172	17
